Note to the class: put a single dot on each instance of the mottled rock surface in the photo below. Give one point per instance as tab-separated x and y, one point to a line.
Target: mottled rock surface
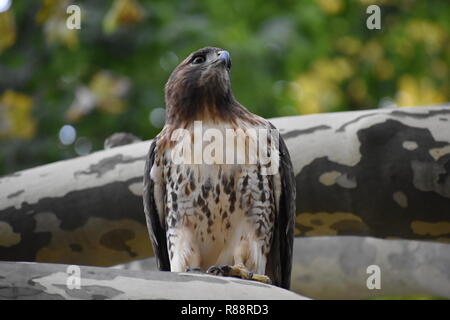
21	280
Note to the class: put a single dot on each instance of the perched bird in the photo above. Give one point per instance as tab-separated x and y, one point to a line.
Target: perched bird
228	218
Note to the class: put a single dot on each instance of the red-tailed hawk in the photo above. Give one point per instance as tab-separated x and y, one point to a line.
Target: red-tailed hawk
223	215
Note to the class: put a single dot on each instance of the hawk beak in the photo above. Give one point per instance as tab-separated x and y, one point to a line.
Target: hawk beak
224	57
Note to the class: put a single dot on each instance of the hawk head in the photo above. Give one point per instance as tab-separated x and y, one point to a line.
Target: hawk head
200	86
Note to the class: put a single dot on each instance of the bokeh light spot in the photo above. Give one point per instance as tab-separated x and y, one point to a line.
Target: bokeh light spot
158	117
83	146
67	135
5	5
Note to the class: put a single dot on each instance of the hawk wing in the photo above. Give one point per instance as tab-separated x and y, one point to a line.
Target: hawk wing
153	203
279	263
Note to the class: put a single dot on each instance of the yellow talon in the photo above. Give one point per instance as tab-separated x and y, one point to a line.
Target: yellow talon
238	271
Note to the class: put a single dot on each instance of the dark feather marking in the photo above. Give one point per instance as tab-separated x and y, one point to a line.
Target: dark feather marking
207	212
206	188
263	196
232	200
225	184
192	182
230	185
218	190
174	201
200	201
260	178
245	183
187	191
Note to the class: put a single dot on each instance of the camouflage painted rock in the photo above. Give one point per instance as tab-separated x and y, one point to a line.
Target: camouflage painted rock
21	280
337	268
86	210
380	173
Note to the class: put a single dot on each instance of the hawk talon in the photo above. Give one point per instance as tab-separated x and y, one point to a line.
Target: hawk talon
238	272
261	278
223	270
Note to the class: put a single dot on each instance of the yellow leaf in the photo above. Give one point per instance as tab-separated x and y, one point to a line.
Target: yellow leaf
348	45
431	34
122	13
48	9
418	92
16	109
330	6
7	30
384	69
357	89
109	90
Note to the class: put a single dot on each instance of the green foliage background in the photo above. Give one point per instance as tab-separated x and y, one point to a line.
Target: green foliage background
289	57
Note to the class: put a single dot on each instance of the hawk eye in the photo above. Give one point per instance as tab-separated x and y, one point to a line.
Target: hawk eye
198	60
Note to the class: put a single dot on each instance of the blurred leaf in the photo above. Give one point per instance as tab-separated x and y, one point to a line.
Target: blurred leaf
318	89
418	92
122	13
105	92
85	101
7	30
48	9
429	33
15	116
331	6
109	89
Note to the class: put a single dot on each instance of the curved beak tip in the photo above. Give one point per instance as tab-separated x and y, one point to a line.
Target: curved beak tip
225	57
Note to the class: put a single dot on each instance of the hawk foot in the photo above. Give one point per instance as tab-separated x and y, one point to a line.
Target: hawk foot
239	272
